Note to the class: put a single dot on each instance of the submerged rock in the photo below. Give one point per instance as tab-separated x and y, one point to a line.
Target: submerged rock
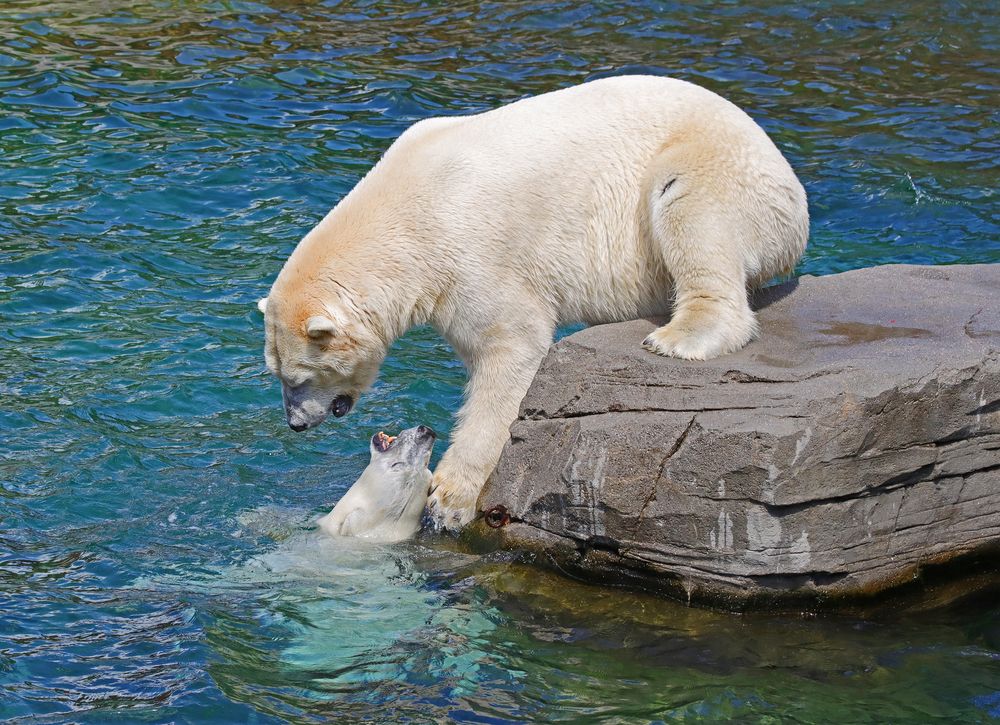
856	443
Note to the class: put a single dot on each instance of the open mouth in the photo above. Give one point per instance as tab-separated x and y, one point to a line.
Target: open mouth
382	442
341	406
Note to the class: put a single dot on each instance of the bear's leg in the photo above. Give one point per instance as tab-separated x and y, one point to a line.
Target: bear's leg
501	360
705	252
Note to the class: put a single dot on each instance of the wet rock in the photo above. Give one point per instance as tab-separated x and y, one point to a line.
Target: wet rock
851	447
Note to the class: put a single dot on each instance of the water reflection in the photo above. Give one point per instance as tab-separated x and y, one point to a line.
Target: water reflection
334	629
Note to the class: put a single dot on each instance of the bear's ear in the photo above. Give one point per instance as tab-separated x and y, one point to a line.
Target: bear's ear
262	305
320	326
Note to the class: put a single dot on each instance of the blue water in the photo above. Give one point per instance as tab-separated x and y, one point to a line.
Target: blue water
158	162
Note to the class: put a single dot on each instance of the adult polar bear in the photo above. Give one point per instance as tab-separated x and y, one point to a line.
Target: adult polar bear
615	199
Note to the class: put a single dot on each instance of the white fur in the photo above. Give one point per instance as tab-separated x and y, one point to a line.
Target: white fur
320	325
611	200
385	503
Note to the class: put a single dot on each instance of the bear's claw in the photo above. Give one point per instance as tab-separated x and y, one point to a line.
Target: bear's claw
450	507
704	334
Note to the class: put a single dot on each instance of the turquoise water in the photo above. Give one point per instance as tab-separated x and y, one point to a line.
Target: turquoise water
159	160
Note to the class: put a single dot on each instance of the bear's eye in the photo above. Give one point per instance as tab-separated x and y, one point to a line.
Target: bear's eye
397	464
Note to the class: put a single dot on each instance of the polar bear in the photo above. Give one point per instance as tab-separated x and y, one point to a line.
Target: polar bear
388	499
614	199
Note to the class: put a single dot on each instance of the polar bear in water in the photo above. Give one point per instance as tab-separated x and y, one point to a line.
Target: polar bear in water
620	198
387	501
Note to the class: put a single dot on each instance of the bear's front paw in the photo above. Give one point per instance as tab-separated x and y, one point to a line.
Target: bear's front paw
451	505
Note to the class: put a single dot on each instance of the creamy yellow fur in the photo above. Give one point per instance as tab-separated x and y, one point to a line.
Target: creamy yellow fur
615	199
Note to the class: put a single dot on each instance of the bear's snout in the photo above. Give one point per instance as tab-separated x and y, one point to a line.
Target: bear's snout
302	409
299	422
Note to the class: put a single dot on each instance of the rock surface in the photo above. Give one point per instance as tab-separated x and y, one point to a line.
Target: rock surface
851	446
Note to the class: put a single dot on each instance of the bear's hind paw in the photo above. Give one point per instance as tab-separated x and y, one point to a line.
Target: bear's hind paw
692	337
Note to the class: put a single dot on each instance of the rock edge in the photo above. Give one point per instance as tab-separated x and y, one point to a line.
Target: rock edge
855	444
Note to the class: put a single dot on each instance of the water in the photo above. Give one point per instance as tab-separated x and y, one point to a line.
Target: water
159	160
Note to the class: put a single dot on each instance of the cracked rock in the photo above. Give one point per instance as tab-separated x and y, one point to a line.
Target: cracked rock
849	449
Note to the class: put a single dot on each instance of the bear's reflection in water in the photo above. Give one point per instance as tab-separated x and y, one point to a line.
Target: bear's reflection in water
339	627
337	603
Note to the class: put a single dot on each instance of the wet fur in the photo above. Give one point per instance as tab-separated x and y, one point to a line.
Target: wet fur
387	501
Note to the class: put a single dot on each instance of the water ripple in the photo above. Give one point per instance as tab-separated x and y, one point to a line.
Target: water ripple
160	160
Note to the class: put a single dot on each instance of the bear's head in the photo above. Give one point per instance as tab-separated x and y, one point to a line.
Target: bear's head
324	351
400	465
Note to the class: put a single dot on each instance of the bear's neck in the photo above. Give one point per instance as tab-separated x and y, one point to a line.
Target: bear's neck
374	254
390	296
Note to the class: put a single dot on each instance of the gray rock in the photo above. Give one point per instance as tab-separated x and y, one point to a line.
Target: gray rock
854	444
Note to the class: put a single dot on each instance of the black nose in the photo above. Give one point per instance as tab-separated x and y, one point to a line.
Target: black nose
423	430
341	406
297	427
